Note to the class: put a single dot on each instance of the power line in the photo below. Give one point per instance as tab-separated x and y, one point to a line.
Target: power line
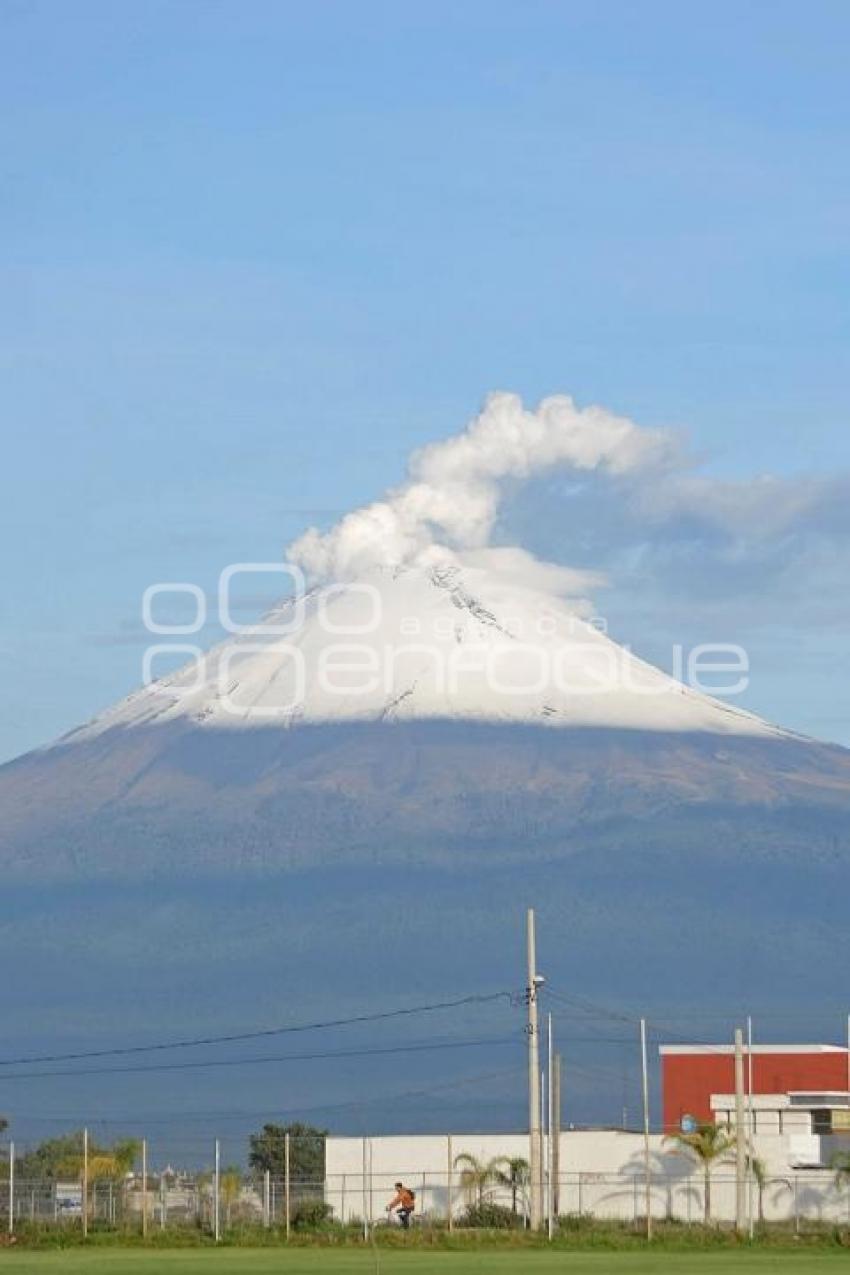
662	1026
265	1113
418	1047
588	1006
195	1042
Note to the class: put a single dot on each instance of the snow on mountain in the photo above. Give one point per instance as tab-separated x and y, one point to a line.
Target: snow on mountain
420	755
448	642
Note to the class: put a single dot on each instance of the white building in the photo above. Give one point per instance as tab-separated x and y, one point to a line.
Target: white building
602	1171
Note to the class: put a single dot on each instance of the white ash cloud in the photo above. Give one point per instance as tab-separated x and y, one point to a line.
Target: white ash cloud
521	568
450	500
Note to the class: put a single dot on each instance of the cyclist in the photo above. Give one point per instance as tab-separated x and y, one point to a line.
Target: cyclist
404	1202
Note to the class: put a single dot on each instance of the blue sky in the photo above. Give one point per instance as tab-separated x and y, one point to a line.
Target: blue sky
252	254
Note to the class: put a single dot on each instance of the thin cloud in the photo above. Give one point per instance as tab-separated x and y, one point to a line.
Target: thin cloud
572	500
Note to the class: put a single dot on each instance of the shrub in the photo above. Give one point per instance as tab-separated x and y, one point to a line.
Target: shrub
311	1215
576	1222
493	1217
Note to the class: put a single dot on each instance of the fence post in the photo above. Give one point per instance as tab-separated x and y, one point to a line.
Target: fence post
267	1199
449	1201
11	1188
287	1198
365	1196
647	1163
342	1214
796	1210
216	1193
85	1183
555	1135
144	1188
162	1202
371	1184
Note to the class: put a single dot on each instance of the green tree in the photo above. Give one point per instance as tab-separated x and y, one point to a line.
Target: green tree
49	1159
515	1176
840	1163
306	1152
708	1144
63	1158
477	1176
105	1162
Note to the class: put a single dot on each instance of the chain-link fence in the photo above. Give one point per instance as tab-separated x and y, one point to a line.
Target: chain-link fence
619	1197
206	1202
218	1203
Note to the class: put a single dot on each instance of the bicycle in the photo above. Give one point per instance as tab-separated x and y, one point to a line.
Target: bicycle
415	1221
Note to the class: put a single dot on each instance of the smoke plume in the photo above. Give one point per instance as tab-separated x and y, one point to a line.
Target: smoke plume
450	499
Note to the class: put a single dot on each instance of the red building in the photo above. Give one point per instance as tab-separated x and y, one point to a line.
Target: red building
690	1074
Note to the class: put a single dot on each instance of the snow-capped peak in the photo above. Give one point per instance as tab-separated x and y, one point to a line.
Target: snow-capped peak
440	642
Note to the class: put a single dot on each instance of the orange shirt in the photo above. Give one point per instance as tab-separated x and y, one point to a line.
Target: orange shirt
404	1199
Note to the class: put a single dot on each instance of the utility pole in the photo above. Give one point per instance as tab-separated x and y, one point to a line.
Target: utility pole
535	1159
740	1137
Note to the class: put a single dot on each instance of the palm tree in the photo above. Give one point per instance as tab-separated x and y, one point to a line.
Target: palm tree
476	1175
114	1162
708	1143
758	1169
104	1164
230	1183
515	1176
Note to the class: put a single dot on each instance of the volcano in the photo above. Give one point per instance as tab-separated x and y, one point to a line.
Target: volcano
400	764
429	715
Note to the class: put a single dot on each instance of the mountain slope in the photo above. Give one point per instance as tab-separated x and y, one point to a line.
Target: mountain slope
216	853
444	714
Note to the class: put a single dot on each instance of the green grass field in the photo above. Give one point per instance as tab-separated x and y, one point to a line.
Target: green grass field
234	1261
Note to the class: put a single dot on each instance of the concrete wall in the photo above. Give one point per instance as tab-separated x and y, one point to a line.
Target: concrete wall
602	1173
